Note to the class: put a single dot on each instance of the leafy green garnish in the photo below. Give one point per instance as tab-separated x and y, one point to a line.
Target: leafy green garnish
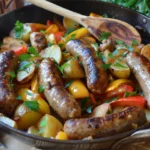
111	99
40	89
89	109
62	67
29	93
106	66
129	47
19	28
119	65
135	42
142	6
128	94
95	46
69	31
72	37
84	102
61	45
32	50
108	112
119	42
24	66
50	44
12	76
32	105
43	123
19	97
24	57
42	31
68	84
105	35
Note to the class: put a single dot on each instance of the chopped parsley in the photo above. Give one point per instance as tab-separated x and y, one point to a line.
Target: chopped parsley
19	97
24	57
69	31
40	89
128	94
135	42
24	66
12	76
106	66
68	84
32	105
119	42
62	67
104	35
111	99
118	65
95	46
19	29
32	50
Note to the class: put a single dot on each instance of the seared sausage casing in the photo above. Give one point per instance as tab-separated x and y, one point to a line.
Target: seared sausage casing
140	66
97	77
57	96
105	126
8	102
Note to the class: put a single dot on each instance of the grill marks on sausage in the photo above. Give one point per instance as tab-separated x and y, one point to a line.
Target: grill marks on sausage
140	67
8	102
57	96
97	77
105	126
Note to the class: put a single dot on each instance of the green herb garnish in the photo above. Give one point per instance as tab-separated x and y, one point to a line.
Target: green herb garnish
40	89
105	35
89	109
19	28
62	67
32	105
50	44
12	76
135	42
108	112
95	46
68	84
32	50
118	65
19	97
24	66
119	42
128	94
69	31
24	57
111	99
106	66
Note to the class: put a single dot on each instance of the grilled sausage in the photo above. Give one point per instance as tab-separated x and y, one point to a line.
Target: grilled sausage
59	99
97	77
105	126
38	41
140	66
8	102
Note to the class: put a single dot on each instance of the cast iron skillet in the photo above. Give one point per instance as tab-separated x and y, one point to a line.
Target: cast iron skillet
34	14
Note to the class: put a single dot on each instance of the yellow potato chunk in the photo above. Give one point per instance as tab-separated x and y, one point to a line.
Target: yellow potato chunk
61	136
146	51
78	89
25	117
49	126
73	69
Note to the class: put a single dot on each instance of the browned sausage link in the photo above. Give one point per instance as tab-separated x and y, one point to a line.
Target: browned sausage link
57	96
140	66
97	77
8	102
38	41
105	126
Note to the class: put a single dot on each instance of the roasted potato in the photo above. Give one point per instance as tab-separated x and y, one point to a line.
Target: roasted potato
120	69
101	110
49	126
52	52
25	117
146	51
26	71
33	130
78	89
28	95
73	69
8	121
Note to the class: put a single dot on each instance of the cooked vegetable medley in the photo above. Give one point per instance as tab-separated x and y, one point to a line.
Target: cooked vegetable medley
57	81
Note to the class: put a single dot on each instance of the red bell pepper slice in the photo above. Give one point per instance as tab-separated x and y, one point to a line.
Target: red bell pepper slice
48	23
58	35
138	101
21	50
